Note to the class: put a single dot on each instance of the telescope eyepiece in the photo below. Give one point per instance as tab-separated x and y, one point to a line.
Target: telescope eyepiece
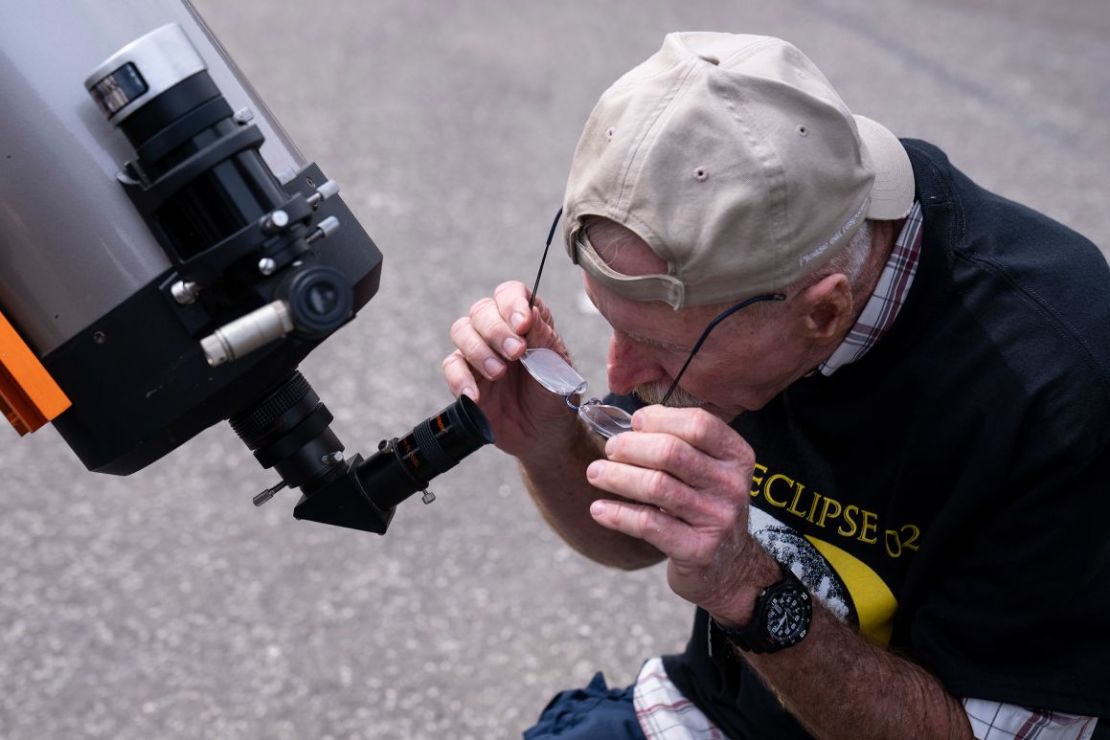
401	467
288	431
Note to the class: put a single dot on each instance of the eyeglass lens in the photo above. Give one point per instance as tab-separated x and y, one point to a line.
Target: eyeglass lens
550	370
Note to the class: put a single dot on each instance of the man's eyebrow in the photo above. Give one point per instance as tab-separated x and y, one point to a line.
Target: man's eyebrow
655	342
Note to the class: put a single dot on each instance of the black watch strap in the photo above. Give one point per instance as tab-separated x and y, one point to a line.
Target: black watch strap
781	617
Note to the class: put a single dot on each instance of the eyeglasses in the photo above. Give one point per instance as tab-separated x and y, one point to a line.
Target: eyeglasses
555	374
550	370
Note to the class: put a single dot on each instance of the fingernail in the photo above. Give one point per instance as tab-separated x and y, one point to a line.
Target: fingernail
598	508
492	366
637	421
594	469
517	320
470	392
511	346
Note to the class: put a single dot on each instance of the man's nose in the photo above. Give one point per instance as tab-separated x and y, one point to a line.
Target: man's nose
630	365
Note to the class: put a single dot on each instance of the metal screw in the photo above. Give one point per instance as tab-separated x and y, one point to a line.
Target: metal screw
275	222
266	266
325	191
332	458
185	291
268	494
244	115
99	338
324	229
329	225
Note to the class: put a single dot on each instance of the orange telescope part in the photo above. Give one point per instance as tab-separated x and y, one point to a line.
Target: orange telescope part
29	397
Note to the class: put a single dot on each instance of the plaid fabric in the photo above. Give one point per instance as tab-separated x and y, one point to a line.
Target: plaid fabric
993	721
664	713
890	293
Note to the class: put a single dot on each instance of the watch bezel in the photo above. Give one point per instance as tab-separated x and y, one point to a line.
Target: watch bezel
757	636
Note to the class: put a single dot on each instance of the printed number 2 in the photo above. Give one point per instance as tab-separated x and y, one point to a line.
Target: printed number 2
898	540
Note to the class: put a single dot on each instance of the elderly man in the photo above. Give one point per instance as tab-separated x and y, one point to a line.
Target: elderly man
883	482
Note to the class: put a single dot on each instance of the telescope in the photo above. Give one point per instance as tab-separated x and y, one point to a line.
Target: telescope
168	258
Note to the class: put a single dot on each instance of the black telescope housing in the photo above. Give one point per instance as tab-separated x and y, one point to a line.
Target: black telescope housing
250	292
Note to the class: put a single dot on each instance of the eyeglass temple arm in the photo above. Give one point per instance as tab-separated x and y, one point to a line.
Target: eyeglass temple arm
712	325
546	247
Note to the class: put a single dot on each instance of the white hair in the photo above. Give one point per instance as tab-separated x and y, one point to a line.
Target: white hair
849	262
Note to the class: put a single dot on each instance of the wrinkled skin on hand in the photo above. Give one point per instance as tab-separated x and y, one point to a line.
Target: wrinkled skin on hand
687	475
525	418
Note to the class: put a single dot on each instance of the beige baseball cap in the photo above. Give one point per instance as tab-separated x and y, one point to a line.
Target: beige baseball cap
739	165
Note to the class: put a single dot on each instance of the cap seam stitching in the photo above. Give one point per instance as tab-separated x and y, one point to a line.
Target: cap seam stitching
775	178
743	54
661	108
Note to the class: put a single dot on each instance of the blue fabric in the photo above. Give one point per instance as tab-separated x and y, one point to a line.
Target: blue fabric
593	713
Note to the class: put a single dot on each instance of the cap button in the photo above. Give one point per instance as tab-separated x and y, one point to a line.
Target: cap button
709	58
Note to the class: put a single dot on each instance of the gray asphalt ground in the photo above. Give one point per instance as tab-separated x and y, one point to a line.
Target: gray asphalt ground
165	605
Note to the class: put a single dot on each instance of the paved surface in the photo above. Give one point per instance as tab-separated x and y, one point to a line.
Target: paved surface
165	605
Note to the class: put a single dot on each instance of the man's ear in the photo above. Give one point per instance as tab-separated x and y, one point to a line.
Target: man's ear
826	308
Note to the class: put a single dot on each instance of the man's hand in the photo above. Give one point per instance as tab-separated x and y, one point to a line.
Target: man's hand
690	474
526	419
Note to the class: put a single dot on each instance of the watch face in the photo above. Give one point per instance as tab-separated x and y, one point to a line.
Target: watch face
787	616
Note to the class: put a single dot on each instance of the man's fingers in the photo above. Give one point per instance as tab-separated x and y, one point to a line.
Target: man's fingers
475	350
670	536
698	427
460	379
512	304
536	324
660	490
495	330
665	452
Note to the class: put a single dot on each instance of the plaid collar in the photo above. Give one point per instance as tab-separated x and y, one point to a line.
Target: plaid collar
883	305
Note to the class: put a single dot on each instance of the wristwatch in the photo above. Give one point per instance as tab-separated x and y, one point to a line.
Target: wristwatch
781	618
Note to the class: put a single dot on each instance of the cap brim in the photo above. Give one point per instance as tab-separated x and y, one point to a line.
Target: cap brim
892	191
